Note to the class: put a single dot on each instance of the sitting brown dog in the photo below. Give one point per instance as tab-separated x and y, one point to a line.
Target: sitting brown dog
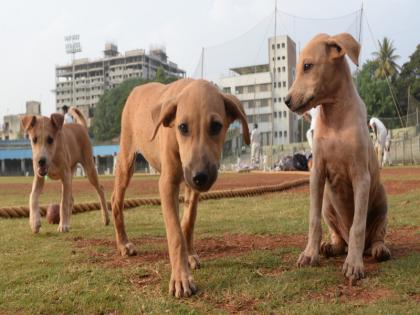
345	184
56	150
180	130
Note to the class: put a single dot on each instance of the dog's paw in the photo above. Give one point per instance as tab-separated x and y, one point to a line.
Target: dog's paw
353	269
63	228
329	249
127	249
380	252
106	219
182	285
194	261
307	260
35	225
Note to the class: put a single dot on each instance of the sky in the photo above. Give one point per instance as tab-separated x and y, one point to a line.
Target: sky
32	33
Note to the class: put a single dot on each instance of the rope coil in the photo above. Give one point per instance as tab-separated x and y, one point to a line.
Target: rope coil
23	211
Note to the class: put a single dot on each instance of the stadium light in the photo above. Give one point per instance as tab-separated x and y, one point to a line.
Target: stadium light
72	45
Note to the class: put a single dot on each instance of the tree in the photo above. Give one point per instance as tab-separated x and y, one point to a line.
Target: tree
106	123
374	91
409	78
386	59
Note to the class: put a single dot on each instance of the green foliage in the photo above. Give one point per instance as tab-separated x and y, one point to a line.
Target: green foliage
374	92
386	59
106	123
409	78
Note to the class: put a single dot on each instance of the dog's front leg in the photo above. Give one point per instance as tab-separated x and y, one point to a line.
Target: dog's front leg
187	224
181	283
353	266
66	201
34	215
310	256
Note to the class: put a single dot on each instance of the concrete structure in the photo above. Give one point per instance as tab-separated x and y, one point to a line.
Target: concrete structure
262	90
93	77
11	129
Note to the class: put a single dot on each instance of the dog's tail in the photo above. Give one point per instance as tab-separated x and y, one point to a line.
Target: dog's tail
79	118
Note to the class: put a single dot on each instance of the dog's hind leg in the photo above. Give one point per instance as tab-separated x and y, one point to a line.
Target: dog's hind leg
337	245
90	170
187	225
123	173
34	215
376	228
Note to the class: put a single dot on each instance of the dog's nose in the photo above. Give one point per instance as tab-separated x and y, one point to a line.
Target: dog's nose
287	100
200	179
42	162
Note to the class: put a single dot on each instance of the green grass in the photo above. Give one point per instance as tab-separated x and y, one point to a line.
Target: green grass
74	273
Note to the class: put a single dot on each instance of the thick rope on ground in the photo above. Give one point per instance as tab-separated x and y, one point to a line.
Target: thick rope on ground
23	211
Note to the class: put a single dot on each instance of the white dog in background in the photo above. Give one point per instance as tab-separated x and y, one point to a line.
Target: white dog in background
381	135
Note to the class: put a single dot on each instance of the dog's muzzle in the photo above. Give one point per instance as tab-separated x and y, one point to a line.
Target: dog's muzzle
201	180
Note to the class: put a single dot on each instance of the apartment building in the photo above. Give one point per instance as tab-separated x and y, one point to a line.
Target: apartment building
92	78
262	90
11	129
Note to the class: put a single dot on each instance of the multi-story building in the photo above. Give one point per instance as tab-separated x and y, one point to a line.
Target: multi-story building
11	129
93	77
262	90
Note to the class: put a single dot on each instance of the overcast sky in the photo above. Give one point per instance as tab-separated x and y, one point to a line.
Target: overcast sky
32	33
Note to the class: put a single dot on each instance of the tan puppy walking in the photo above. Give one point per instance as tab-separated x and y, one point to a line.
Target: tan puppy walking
56	151
345	185
180	129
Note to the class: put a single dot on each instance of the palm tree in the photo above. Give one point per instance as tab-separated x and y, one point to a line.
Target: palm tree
386	59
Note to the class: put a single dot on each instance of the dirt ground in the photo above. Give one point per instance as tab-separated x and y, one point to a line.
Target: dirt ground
401	242
147	185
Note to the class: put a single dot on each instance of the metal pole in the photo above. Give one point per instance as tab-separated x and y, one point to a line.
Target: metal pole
270	158
408	105
72	79
202	62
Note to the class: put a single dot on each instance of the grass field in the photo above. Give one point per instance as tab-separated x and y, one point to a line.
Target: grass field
248	248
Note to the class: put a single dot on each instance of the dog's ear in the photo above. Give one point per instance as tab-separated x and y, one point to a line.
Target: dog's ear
343	44
163	114
57	120
27	122
235	110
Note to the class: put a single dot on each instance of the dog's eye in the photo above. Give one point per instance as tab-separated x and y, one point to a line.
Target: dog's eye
50	140
34	140
307	66
215	128
183	128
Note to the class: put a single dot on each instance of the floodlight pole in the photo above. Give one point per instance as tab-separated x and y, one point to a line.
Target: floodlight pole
72	47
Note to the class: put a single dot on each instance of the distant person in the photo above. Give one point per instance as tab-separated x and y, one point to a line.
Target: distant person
313	113
380	133
387	152
68	119
114	162
255	145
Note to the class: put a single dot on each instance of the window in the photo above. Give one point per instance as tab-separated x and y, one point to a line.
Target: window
285	133
275	100
273	58
272	46
280	134
283	45
251	104
283	57
275	114
284	83
283	69
278	46
278	58
275	85
275	134
239	90
279	114
264	102
250	88
278	69
284	114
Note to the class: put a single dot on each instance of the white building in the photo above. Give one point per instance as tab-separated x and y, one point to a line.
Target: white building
262	90
93	77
